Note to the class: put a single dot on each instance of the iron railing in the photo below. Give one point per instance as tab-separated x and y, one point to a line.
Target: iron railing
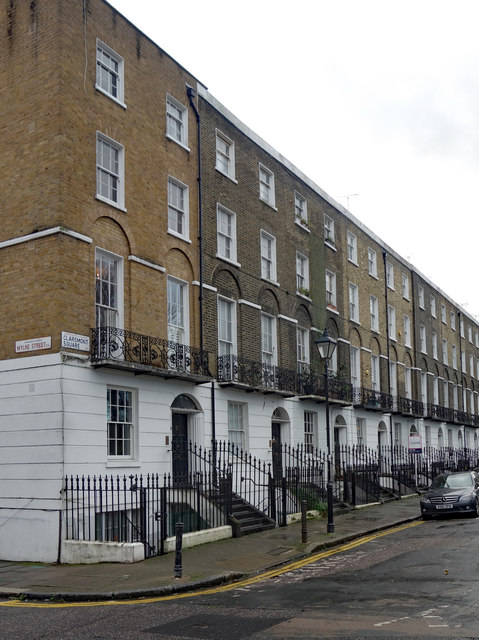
144	509
255	374
111	343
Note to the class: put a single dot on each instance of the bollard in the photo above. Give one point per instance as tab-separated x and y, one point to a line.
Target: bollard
179	550
304	528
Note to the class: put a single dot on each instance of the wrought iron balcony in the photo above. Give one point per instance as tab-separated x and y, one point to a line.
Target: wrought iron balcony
376	400
409	407
312	383
234	370
122	349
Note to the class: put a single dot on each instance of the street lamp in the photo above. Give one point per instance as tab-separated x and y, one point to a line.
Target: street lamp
326	346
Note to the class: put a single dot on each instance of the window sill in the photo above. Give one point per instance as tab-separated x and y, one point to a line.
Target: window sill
178	142
177	235
273	282
111	203
332	310
269	204
301	295
228	260
301	225
108	95
115	464
353	262
330	244
226	175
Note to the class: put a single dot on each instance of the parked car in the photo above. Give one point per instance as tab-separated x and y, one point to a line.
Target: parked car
452	493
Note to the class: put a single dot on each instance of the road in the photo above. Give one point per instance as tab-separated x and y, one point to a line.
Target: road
418	582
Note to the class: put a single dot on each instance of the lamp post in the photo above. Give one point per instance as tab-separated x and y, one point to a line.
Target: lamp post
326	346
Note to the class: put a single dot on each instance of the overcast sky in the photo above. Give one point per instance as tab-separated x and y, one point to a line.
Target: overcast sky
376	101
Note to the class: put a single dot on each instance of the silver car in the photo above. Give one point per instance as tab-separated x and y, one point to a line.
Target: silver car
452	493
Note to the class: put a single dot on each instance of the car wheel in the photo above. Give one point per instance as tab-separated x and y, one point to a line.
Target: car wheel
475	513
426	516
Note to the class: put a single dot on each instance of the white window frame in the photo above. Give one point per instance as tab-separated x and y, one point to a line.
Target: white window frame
422	339
353	302
445	393
432	300
227	327
408	382
355	366
110	73
435	390
269	352
176	121
330	289
178	209
420	293
110	175
302	349
268	256
375	374
121	416
328	229
374	313
266	185
452	317
237	419
226	234
445	357
434	344
390	275
352	248
393	378
469	333
372	263
424	388
471	365
443	313
178	333
225	155
405	286
300	209
310	431
302	274
360	432
108	289
407	330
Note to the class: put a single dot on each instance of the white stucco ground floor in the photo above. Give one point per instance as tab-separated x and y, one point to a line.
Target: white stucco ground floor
60	417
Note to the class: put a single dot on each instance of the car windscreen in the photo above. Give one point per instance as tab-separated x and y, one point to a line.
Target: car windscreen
454	481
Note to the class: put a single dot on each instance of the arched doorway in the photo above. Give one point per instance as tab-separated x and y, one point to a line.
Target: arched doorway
279	422
182	408
440	438
382	435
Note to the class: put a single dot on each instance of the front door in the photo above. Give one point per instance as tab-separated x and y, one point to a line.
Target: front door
276	450
179	447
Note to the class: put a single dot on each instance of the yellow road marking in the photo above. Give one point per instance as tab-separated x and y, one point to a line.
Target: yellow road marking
225	587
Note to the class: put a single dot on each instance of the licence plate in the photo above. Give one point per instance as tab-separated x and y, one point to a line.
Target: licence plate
444	506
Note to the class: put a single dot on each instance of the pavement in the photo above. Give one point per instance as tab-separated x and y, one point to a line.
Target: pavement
206	565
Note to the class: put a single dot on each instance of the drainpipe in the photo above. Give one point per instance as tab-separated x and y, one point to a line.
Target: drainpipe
191	94
388	348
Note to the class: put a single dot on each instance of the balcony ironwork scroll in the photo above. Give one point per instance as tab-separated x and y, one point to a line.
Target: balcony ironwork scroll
372	399
256	375
111	343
